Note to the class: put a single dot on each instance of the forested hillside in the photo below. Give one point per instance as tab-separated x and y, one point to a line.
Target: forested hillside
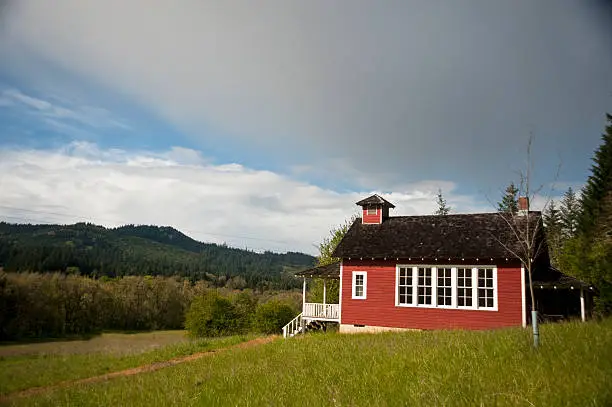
97	251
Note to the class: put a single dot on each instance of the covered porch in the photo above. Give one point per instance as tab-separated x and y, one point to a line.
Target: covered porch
320	311
562	297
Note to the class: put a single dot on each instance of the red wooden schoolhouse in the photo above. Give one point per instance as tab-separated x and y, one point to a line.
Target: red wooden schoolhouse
434	272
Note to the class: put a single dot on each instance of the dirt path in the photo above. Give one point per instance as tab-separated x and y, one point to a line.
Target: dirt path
131	372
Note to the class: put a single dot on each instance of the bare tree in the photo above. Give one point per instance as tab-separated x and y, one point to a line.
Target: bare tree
525	238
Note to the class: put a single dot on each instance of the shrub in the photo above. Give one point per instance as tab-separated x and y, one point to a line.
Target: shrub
272	316
245	304
211	315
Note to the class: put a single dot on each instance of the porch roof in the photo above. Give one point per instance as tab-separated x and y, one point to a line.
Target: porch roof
329	271
556	279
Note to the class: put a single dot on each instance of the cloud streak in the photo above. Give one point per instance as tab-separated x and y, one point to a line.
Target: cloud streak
63	116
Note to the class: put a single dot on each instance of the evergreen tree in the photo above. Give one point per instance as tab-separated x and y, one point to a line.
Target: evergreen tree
570	212
553	224
509	202
599	184
443	208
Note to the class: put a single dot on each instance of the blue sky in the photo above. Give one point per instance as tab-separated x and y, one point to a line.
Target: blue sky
261	126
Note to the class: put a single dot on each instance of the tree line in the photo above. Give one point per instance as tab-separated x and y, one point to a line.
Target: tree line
585	250
47	305
579	227
95	251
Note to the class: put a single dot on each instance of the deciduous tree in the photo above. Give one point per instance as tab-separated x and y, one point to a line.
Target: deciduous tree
527	242
326	248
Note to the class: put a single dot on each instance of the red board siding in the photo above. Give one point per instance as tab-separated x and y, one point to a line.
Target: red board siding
379	308
372	218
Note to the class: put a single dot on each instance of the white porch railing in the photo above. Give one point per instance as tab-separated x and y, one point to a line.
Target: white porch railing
294	327
322	311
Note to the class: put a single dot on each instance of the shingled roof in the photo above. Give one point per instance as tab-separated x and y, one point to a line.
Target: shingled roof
375	200
331	271
468	236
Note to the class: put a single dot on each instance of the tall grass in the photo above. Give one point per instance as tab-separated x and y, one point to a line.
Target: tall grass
573	367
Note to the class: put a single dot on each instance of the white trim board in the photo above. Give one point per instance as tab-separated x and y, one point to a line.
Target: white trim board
523	299
340	290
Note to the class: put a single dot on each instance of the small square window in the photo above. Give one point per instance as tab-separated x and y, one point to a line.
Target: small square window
372	210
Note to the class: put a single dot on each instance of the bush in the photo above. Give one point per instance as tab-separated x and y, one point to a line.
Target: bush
211	315
272	316
245	304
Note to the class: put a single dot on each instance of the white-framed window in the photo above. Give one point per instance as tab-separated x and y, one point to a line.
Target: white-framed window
486	291
424	288
372	210
445	287
464	287
404	285
360	285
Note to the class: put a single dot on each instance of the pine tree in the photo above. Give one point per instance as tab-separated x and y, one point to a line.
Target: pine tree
553	224
443	208
509	202
599	184
570	212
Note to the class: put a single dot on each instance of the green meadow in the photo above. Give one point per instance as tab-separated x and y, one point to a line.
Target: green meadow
573	367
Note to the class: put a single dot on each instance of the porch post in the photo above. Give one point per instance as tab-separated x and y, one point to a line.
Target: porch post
324	291
582	309
304	295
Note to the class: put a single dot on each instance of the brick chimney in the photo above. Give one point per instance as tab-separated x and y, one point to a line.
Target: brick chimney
523	205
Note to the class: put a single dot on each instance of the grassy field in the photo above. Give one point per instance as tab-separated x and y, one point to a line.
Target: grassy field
573	367
41	364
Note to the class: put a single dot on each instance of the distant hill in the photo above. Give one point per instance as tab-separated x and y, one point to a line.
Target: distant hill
141	250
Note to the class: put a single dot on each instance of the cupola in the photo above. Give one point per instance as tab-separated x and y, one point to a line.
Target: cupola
375	209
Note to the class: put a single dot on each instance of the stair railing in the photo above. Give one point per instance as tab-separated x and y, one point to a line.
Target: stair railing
293	327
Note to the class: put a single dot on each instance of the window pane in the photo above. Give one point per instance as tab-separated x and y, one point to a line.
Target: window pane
359	291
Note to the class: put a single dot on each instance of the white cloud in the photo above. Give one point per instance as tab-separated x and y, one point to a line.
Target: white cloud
231	203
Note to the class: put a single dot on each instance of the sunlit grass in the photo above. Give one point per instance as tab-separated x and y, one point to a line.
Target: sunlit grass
573	367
